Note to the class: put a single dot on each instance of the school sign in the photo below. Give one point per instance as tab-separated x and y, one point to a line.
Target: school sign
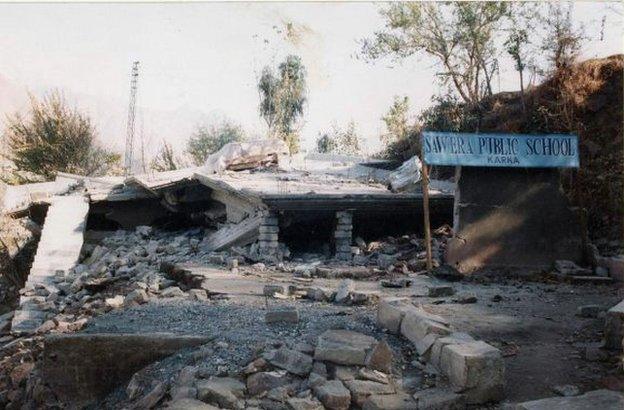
501	150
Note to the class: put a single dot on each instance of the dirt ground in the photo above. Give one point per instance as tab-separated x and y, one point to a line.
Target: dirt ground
533	323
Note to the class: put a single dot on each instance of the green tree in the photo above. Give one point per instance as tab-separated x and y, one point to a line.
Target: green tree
53	138
282	99
339	141
396	120
459	35
563	40
208	139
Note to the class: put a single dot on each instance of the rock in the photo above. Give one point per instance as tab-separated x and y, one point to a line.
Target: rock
380	357
373	375
334	395
46	327
224	391
466	297
398	401
475	369
344	347
614	327
385	261
390	313
439	399
448	273
396	283
173	292
189	404
143	231
319	368
306	403
343	373
116	302
282	315
345	287
136	297
152	397
264	381
199	295
441	291
291	360
597	399
615	266
596	354
589	311
271	290
319	294
569	268
361	389
567	390
422	329
438	345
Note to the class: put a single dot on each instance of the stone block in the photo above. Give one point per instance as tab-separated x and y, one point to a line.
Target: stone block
475	369
615	266
362	389
270	229
282	315
398	401
261	382
291	360
390	313
417	324
614	327
441	291
334	395
273	288
222	391
189	404
344	347
438	345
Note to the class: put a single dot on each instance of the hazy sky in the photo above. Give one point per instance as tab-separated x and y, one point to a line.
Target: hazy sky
200	61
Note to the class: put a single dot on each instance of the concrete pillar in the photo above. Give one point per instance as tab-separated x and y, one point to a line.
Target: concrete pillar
343	235
269	235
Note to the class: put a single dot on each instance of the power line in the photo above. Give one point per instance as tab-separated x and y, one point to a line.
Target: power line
134	77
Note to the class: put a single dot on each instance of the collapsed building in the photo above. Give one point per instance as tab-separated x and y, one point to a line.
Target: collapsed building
108	245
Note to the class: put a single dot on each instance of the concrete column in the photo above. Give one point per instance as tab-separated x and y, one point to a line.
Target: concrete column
343	234
269	234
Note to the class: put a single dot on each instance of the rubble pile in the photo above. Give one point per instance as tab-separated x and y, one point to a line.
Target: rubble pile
340	369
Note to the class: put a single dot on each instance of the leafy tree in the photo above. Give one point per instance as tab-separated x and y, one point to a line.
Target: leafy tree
282	99
459	35
402	136
563	40
54	137
165	159
339	141
208	139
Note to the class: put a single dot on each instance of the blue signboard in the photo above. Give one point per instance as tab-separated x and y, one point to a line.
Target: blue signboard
501	150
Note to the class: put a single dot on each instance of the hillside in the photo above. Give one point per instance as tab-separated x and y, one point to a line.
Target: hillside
585	99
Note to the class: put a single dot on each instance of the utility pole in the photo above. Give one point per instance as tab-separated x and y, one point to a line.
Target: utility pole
143	167
134	77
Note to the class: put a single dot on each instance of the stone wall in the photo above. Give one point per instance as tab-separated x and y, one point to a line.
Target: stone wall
512	217
268	240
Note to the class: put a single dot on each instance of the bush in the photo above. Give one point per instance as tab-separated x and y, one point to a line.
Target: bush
208	139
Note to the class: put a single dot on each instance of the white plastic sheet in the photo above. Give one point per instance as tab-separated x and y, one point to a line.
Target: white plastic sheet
239	153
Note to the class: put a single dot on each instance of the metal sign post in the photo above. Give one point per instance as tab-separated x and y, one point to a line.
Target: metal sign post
425	189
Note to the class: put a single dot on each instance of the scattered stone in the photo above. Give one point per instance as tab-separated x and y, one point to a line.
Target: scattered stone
223	391
361	389
334	395
115	302
173	292
345	287
344	347
319	294
569	268
343	373
439	398
136	297
422	329
380	357
441	291
199	295
282	315
390	313
466	297
589	311
271	290
264	381
567	390
396	283
291	360
152	397
448	273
